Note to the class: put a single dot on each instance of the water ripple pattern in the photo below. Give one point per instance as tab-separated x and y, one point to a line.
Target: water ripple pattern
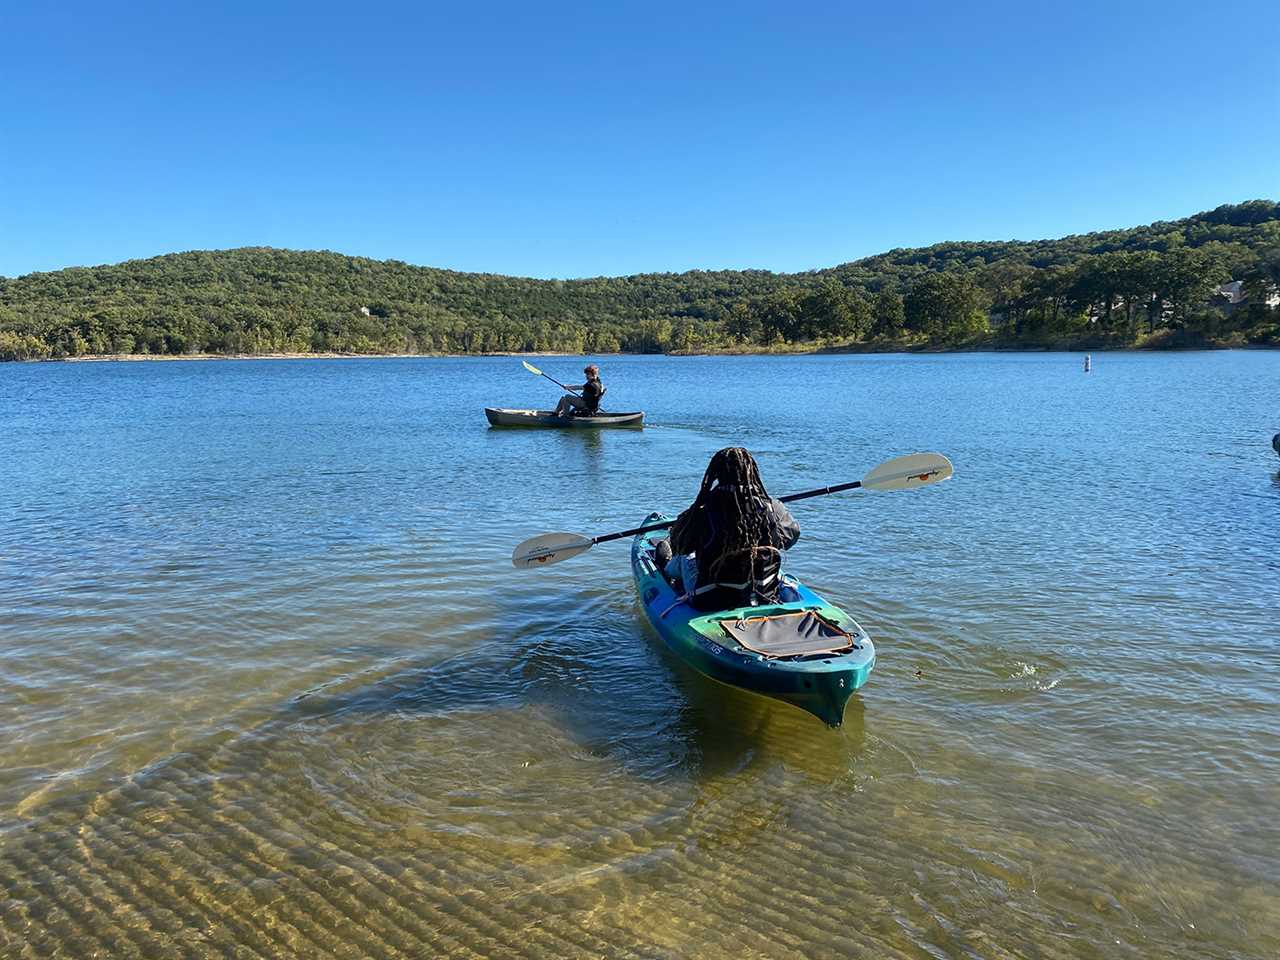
269	686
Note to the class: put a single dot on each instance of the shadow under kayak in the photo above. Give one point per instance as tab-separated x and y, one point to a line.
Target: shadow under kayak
500	417
803	650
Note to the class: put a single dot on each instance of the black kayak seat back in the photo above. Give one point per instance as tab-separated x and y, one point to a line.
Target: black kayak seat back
599	411
760	570
747	576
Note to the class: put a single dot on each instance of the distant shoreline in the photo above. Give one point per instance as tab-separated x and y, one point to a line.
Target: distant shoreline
129	357
1157	344
754	350
1207	281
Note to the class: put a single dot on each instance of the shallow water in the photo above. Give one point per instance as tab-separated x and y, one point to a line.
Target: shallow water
270	687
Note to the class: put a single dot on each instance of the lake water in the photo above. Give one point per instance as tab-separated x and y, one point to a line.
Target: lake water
270	687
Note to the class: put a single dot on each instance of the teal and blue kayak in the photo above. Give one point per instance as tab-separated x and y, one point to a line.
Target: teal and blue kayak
801	650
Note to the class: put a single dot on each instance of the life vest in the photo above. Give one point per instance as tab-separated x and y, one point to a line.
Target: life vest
592	391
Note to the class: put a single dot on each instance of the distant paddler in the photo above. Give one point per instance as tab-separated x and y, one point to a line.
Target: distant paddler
589	402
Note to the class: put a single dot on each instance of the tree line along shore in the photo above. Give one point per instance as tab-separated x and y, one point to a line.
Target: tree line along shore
1212	279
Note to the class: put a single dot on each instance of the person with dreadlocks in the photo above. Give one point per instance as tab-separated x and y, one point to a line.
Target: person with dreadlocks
589	402
728	545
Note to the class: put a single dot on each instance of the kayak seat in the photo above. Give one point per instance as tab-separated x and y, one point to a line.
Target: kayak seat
599	411
802	633
760	570
662	551
660	554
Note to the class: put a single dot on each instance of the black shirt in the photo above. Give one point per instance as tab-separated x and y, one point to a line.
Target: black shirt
592	391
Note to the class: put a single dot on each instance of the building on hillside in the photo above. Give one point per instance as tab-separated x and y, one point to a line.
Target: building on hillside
1230	297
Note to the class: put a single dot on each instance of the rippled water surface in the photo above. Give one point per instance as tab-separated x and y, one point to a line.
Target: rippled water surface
270	687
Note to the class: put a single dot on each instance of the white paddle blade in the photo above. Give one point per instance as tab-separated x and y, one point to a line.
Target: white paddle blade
531	368
549	548
906	473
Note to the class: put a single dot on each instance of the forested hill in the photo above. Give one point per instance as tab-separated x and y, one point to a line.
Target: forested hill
1150	285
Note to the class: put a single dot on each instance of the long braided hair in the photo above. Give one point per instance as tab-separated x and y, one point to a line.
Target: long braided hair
736	503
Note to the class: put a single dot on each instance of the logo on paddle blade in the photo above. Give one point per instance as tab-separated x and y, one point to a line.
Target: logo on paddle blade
922	477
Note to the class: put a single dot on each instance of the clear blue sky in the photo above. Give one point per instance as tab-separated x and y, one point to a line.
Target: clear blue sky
573	140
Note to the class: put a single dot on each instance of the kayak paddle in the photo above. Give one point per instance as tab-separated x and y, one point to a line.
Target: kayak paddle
900	473
532	369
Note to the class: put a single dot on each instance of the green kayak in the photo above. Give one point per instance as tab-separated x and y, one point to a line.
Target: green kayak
802	650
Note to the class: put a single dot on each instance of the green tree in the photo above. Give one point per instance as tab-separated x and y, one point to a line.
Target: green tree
889	315
741	323
1262	284
1185	279
1045	299
1004	283
780	315
945	307
835	311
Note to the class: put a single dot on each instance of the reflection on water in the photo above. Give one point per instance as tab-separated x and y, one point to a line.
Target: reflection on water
271	687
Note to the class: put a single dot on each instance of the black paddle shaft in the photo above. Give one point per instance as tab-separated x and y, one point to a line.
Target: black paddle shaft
820	492
789	498
561	385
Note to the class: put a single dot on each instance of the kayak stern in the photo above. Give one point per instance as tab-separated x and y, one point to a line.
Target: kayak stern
830	693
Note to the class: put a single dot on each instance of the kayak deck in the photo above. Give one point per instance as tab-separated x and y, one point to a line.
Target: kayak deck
816	666
503	417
